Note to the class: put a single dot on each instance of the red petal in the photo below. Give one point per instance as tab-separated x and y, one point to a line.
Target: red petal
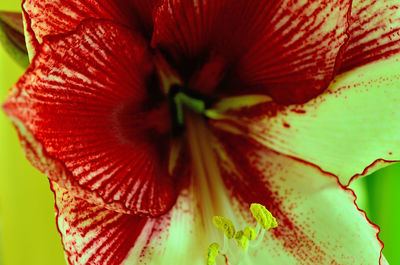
287	49
84	100
374	32
92	234
60	16
318	221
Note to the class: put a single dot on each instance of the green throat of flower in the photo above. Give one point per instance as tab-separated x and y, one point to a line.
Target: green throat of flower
265	221
181	98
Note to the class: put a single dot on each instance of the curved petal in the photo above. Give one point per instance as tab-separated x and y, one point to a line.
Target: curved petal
92	234
374	32
85	118
95	235
287	49
318	220
343	131
60	16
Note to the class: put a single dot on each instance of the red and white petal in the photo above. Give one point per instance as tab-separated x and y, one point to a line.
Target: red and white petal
350	130
287	49
60	16
91	234
374	32
318	220
86	120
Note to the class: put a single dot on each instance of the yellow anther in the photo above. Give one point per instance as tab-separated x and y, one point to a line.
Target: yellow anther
263	216
250	233
242	240
212	253
225	225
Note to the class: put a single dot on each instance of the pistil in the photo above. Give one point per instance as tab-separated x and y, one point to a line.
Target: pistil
181	97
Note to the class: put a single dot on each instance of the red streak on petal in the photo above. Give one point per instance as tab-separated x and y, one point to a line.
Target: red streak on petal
85	101
93	234
251	189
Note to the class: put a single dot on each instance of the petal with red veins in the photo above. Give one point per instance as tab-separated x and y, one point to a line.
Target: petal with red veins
287	49
86	119
374	32
92	234
318	220
60	16
350	130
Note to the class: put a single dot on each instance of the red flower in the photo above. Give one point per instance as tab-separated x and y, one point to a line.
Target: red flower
150	117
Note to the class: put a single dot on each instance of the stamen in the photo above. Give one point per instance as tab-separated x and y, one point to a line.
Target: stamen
259	239
250	233
212	253
263	216
242	240
227	104
226	245
225	225
243	237
213	114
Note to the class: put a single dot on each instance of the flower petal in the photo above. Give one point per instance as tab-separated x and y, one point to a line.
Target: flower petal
92	234
318	220
59	16
374	32
343	131
85	118
287	49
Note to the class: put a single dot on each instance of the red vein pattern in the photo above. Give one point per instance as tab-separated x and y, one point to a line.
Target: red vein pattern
307	208
374	32
89	117
92	234
85	100
60	16
287	49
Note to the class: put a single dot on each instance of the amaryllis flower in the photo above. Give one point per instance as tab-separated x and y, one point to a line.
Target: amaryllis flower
152	117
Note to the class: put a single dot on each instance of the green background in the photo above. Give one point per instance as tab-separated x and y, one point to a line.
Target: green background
28	233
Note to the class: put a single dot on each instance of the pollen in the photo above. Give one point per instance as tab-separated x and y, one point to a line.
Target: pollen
263	216
249	239
242	240
250	233
212	253
225	225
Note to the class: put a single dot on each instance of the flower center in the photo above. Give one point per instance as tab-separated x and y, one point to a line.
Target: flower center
181	98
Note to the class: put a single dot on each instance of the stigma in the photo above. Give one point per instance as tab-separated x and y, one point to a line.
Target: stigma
248	238
181	98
